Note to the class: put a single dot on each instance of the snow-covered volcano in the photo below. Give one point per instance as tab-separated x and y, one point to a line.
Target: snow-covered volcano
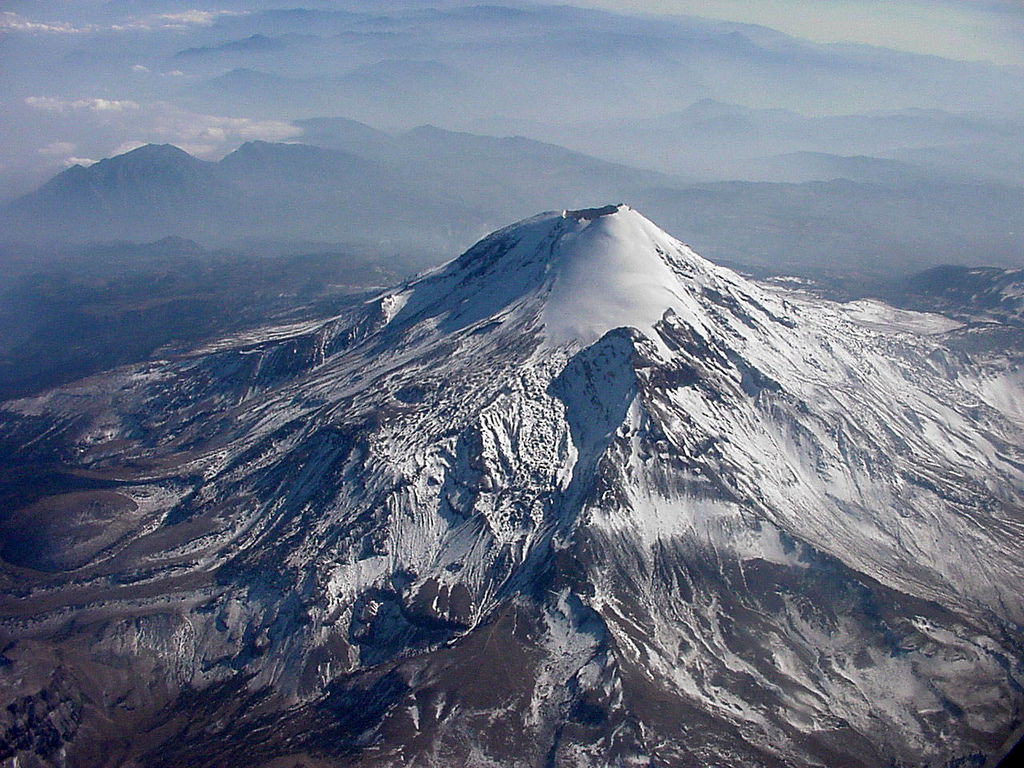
591	270
578	497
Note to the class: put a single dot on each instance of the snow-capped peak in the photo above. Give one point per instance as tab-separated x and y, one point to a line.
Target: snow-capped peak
585	272
616	269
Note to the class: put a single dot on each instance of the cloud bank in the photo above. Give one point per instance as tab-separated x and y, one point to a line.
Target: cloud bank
14	22
81	129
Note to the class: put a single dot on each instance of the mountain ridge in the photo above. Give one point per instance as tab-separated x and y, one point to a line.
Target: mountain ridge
400	198
430	192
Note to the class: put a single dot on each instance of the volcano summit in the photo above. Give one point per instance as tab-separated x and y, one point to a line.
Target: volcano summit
576	498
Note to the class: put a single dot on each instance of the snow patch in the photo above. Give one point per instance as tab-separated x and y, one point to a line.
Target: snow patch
878	316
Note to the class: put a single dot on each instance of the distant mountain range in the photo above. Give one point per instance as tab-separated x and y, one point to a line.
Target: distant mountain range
428	192
680	94
721	141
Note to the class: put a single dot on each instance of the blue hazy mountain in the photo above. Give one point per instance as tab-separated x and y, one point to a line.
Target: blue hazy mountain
427	192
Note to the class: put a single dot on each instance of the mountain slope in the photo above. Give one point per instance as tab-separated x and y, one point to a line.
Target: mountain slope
980	293
578	497
153	188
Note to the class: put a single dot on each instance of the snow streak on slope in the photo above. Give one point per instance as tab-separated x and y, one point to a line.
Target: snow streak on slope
578	497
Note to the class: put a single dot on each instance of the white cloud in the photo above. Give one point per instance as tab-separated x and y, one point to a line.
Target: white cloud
109	105
190	18
130	124
49	104
13	22
63	152
140	68
210	136
57	149
127	146
101	127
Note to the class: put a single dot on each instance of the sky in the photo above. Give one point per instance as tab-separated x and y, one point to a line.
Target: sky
85	79
970	30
